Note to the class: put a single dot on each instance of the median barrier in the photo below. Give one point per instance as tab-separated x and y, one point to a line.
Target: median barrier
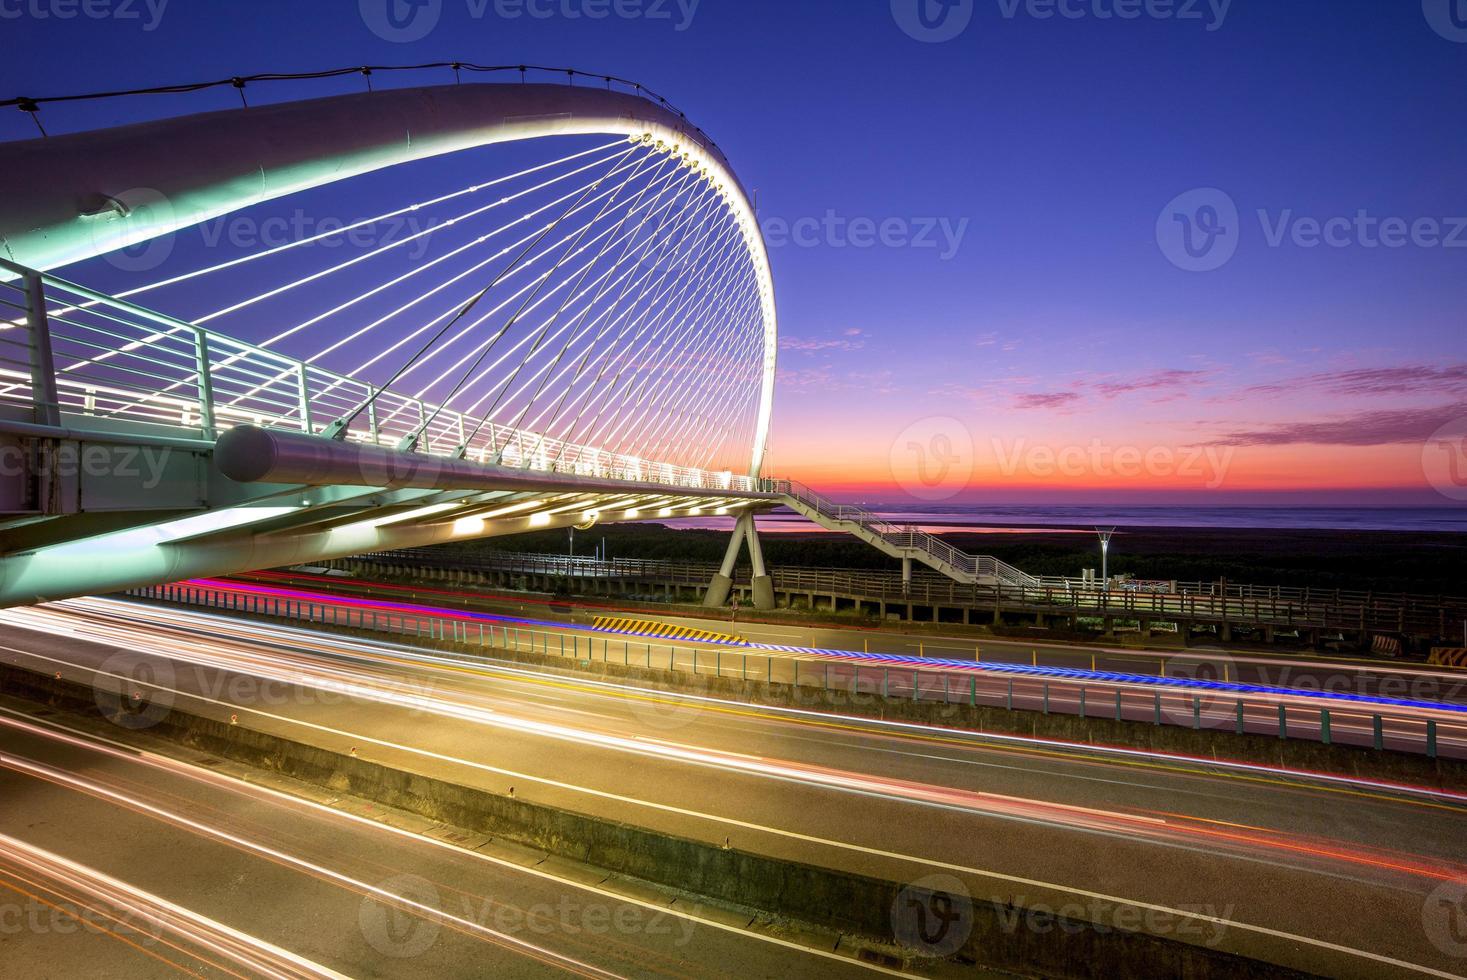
854	904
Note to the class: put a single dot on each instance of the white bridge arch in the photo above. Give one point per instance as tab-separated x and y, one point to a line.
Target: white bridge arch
64	199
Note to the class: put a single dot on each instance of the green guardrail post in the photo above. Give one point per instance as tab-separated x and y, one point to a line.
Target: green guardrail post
1046	697
885	683
1238	727
1283	721
1430	738
916	685
1324	734
972	690
1378	724
1156	713
1082	701
1196	713
1118	704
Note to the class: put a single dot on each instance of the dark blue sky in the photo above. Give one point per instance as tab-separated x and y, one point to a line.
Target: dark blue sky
1053	144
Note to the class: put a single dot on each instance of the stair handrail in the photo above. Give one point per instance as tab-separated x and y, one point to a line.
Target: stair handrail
904	535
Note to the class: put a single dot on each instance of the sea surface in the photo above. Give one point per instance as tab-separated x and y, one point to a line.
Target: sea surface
1060	520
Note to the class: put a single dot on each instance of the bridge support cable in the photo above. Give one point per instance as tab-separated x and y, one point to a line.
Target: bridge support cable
576	290
469	329
423	297
632	364
683	428
467	307
696	390
662	237
527	305
579	328
724	350
333	233
656	386
469	374
672	297
476	408
265	382
543	372
365	366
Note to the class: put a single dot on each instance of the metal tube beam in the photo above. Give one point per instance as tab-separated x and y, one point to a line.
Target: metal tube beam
250	454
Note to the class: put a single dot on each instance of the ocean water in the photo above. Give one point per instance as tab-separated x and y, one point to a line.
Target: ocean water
1058	519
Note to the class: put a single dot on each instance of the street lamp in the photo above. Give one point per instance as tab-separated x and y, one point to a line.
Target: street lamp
1105	534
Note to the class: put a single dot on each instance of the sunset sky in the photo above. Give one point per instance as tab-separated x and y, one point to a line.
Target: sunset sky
974	239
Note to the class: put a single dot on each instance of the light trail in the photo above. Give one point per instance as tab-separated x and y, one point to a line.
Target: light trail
398	656
491	713
1209	840
248	952
878	659
239	947
53	730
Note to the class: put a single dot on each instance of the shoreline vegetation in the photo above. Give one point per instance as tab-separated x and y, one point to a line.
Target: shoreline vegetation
1428	563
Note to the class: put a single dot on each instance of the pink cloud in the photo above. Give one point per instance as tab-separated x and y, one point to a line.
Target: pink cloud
1362	429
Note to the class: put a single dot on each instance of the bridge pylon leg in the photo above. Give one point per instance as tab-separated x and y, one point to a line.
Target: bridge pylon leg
722	583
763	584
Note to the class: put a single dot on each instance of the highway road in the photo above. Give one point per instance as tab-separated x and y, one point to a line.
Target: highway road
1302	671
1319	874
1347	703
122	864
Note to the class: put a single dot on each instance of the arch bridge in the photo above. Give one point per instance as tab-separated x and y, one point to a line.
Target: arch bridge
587	333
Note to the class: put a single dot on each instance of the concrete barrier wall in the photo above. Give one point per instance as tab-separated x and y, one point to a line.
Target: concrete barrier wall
848	902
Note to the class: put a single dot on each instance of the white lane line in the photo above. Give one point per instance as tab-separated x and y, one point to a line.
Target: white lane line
789	834
123	751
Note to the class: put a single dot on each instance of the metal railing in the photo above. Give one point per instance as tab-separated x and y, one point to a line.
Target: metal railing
903	536
1175	702
1284	607
68	349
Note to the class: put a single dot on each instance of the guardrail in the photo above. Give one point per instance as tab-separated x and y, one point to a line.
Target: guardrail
1199	601
1178	702
68	349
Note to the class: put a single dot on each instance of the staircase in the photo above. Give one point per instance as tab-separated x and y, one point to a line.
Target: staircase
899	540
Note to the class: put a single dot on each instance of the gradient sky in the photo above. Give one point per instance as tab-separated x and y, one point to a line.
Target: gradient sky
1045	317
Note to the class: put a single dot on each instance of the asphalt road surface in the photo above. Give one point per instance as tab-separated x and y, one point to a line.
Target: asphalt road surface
1318	874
